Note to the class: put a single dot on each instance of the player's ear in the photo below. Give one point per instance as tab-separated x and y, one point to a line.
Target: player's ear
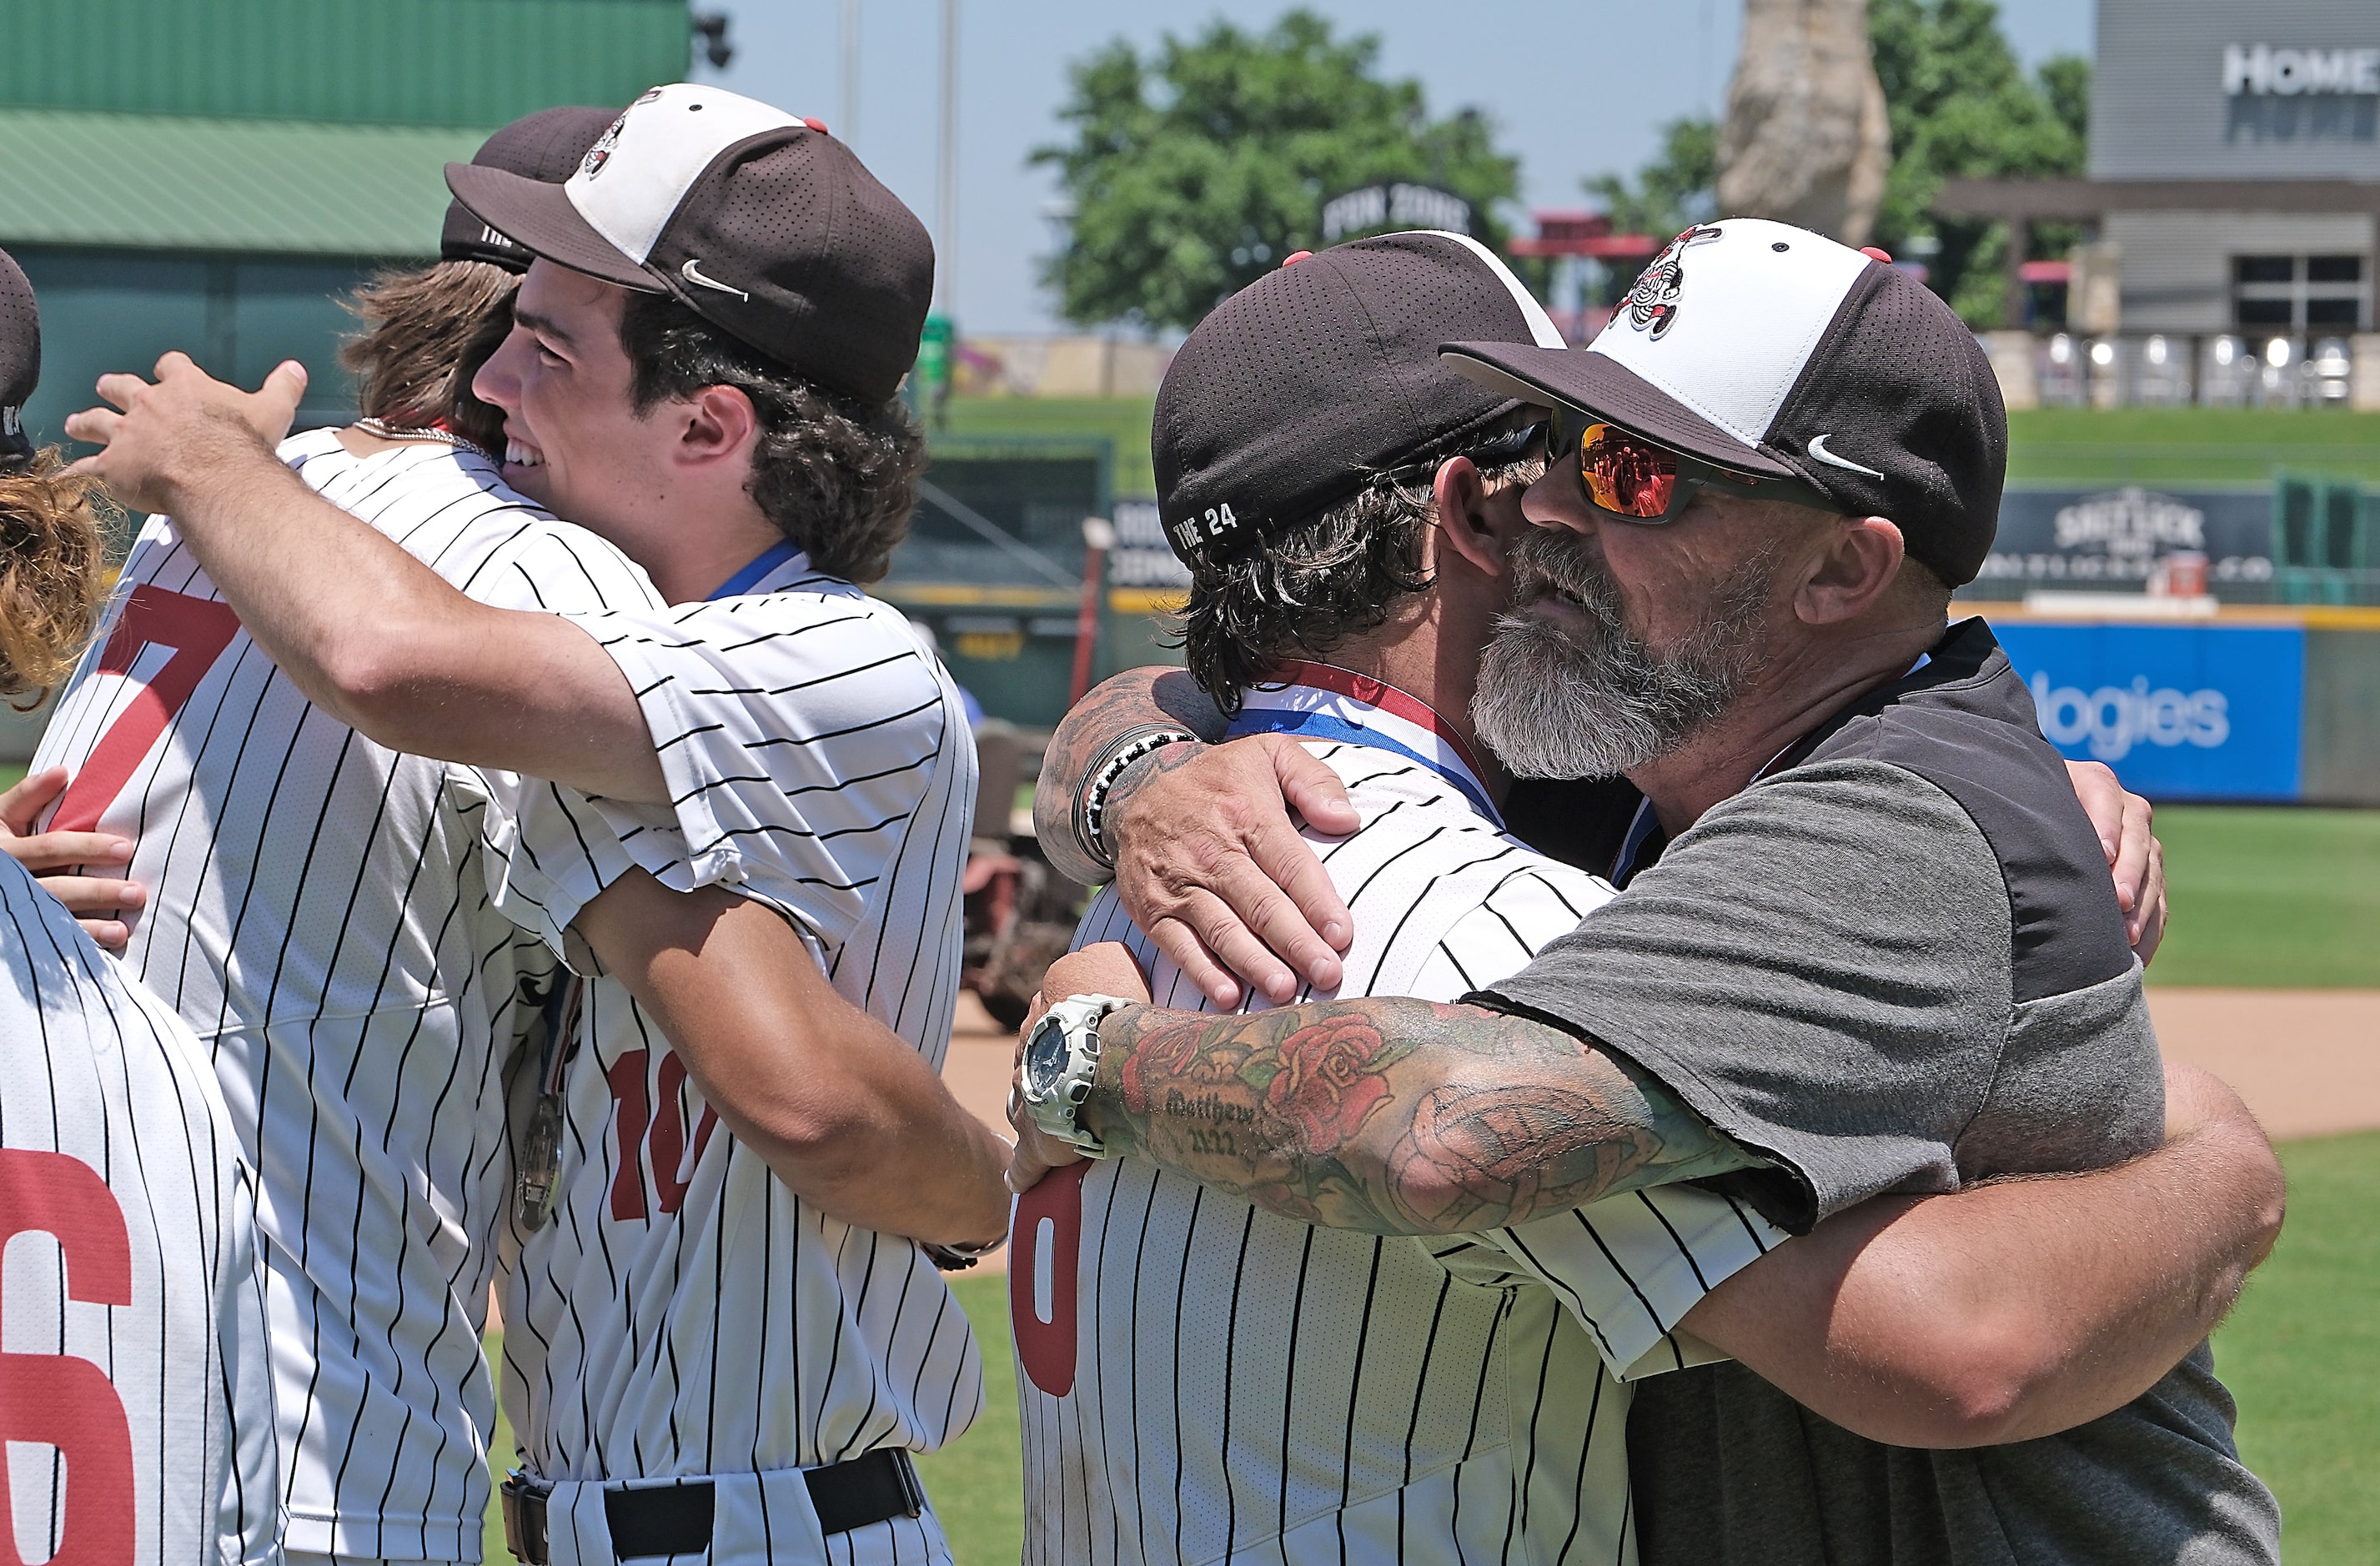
720	424
1460	505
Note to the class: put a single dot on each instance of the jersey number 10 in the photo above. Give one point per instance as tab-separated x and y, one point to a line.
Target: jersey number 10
660	1137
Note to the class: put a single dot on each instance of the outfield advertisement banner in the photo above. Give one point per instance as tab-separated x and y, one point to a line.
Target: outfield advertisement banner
2112	540
2178	711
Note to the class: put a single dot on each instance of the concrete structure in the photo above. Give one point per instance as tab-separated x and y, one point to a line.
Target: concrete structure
1076	365
2234	163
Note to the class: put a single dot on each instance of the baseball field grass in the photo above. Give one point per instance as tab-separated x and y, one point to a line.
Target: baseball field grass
2274	899
2172	447
2303	1355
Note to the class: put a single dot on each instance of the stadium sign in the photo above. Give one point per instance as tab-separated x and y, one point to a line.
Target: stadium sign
1141	557
2065	538
2261	70
1375	208
2178	711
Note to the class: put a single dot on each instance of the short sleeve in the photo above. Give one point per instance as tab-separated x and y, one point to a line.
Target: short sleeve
545	851
1629	1267
799	734
1820	967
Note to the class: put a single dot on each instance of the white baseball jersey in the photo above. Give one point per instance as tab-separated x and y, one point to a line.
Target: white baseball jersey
685	1313
1202	1381
317	913
136	1397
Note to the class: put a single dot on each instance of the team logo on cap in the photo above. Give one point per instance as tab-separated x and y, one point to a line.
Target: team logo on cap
1653	303
601	154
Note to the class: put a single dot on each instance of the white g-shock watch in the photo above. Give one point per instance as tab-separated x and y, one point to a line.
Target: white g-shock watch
1062	1055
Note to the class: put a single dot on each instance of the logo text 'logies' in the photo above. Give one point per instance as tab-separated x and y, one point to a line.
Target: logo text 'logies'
2113	718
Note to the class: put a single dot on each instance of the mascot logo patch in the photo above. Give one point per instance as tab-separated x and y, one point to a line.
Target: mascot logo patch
601	154
1652	305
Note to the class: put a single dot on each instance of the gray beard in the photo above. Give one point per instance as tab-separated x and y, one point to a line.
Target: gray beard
1600	700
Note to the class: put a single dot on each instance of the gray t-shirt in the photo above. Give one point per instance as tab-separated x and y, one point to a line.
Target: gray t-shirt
1822	968
1896	965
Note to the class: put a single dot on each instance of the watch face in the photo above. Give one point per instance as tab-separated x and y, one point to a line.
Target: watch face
1045	1056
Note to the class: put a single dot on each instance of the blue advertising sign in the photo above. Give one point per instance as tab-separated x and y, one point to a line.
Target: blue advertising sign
2180	711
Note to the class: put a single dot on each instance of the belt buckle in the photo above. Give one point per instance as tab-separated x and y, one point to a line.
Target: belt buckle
524	1518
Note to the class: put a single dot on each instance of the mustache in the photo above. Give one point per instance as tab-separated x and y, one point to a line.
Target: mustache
1548	562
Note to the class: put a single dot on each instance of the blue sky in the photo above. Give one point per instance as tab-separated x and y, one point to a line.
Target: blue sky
1575	88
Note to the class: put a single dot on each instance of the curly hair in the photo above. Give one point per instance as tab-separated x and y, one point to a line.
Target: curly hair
53	573
837	477
1310	588
426	332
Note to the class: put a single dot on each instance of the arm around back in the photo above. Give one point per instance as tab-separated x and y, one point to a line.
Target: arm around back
848	1115
370	634
2015	1310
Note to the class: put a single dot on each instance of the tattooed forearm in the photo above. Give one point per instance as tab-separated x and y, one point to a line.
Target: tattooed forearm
1133	700
1397	1117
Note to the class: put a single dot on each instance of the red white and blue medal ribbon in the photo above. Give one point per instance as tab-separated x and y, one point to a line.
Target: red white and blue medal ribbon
1321	702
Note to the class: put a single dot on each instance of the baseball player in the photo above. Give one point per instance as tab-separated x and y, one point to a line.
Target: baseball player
1203	1381
315	909
725	1335
135	1394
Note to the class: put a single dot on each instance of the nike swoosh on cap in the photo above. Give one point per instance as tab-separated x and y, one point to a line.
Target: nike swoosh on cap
1818	452
692	272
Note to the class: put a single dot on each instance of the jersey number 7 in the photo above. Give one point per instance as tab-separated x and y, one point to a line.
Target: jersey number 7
63	1401
198	629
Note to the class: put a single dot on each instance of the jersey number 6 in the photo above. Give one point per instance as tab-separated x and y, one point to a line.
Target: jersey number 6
61	1400
198	629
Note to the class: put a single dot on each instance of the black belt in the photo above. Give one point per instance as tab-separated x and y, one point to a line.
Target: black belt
676	1519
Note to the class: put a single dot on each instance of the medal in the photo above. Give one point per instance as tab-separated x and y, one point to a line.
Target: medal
540	1155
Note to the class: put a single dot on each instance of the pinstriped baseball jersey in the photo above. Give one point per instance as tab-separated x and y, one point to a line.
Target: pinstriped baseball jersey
686	1313
1201	1380
136	1394
318	916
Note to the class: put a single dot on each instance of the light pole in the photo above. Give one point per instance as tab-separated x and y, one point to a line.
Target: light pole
846	111
946	195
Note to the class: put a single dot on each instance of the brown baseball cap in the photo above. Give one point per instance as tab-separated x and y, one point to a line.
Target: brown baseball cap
547	146
757	220
20	360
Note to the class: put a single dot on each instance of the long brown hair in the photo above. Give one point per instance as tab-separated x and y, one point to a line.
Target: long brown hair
426	334
53	573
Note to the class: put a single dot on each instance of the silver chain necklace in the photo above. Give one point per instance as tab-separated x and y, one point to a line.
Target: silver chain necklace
388	432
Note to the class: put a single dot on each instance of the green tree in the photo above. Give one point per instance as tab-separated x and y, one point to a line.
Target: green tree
1961	105
1194	170
1673	191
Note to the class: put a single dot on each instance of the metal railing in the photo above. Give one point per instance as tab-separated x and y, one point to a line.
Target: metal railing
2172	370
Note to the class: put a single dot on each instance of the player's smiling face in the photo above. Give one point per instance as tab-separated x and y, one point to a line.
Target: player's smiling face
574	441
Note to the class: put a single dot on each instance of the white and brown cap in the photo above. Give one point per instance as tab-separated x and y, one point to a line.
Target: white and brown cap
1774	351
20	361
757	220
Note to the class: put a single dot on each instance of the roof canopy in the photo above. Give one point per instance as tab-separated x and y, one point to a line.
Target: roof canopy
160	182
379	62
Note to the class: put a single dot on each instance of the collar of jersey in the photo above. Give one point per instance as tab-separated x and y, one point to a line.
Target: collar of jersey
1322	701
769	562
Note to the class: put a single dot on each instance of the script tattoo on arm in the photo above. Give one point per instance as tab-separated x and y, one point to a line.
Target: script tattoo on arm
1393	1116
1134	699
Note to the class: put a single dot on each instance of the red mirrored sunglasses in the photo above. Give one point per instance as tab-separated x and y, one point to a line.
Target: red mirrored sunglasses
1633	478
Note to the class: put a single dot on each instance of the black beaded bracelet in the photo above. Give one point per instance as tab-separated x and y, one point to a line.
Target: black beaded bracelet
1091	803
